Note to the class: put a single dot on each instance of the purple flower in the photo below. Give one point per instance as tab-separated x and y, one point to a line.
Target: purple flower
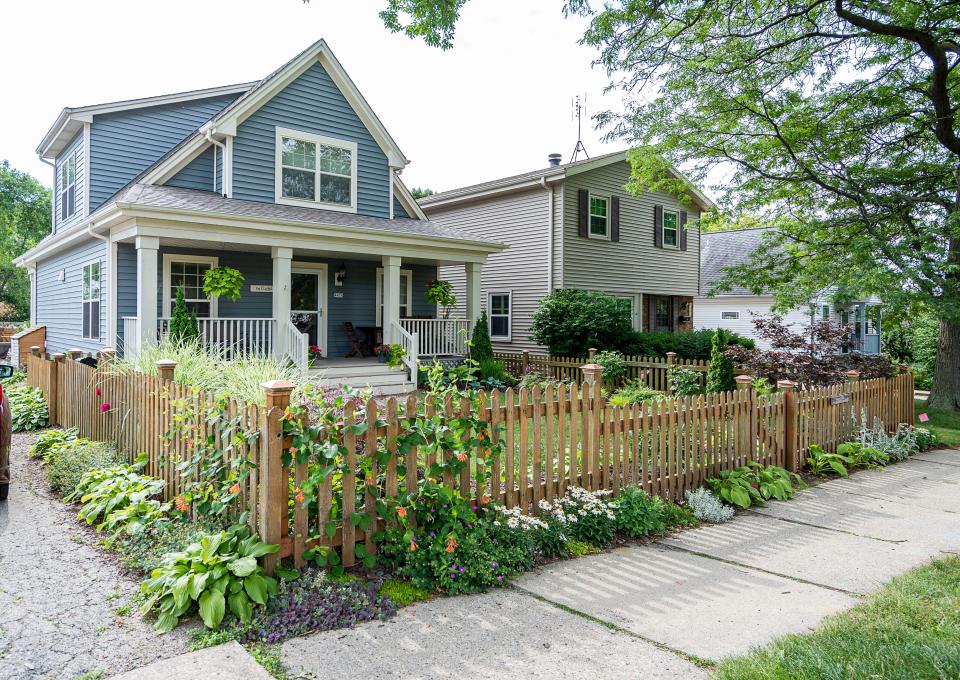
473	507
494	565
500	578
462	569
453	576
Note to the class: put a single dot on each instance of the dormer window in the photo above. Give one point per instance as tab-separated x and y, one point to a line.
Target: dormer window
316	171
68	187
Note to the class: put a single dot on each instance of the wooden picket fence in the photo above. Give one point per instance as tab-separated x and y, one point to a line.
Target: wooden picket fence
651	371
552	439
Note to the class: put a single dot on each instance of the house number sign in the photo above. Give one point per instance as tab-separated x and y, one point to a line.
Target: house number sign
261	289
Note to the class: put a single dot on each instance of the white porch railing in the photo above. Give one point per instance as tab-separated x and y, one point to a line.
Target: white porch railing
131	336
439	337
234	337
410	343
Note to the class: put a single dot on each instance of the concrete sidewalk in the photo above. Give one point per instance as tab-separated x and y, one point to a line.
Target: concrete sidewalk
661	610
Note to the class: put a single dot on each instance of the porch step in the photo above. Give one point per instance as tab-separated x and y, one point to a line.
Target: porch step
363	374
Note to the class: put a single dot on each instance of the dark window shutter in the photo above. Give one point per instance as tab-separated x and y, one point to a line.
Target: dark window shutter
614	218
658	226
583	201
683	230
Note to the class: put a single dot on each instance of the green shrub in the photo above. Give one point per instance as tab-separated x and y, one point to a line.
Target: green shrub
638	514
28	408
686	344
720	374
754	484
67	464
183	323
569	322
48	441
822	462
481	349
635	393
492	369
863	456
614	367
684	381
143	551
403	592
15	379
675	516
217	573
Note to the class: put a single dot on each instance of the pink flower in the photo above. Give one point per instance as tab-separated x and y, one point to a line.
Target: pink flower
98	392
104	407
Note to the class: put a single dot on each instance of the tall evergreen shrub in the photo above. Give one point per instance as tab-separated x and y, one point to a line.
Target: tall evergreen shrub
720	375
183	323
482	347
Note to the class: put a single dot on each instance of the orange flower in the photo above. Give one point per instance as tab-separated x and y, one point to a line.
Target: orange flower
461	456
235	488
413	545
292	450
401	512
181	504
482	436
451	544
299	495
486	453
484	500
370	481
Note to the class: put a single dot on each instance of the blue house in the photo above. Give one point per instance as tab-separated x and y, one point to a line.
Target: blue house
292	180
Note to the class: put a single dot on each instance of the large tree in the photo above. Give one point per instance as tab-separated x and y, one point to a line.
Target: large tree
835	118
24	220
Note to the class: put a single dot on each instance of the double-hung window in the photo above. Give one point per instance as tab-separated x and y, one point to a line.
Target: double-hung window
68	187
91	300
316	171
188	272
599	217
671	229
500	326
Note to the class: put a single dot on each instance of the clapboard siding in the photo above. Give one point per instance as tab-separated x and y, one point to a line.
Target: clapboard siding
312	103
75	148
634	264
398	209
126	143
519	220
198	174
58	303
707	313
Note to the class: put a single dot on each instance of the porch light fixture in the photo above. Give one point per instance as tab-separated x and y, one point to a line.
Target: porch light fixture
340	275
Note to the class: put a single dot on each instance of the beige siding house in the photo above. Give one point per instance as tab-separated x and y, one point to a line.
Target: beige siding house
574	225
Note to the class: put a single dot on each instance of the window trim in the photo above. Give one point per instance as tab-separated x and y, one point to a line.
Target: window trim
170	258
606	234
509	336
318	140
72	157
84	301
408	304
729	318
670	211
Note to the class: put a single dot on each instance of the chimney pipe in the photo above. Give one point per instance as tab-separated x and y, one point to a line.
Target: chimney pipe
554	159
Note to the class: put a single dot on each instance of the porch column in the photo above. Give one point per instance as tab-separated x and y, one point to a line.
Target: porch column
147	247
281	292
391	295
473	270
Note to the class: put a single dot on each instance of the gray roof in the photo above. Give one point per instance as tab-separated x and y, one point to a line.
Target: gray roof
175	198
721	249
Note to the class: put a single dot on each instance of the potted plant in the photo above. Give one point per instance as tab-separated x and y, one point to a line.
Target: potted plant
382	352
397	355
315	353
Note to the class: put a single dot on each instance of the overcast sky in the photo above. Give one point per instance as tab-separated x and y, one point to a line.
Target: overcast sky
494	105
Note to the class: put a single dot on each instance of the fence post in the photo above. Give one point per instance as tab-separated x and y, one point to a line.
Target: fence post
745	385
592	352
524	363
273	484
853	376
165	369
53	399
671	358
108	354
592	376
789	389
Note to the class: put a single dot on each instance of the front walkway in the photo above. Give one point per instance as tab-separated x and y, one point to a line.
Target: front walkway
663	610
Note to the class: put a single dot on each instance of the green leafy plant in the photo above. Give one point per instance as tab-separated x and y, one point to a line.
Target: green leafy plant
104	491
218	572
684	381
583	515
481	348
754	484
720	374
183	324
863	456
441	293
685	344
28	408
822	462
570	321
638	514
65	465
15	379
635	393
225	281
614	367
49	441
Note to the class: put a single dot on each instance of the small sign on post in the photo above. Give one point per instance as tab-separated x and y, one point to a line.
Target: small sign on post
839	399
261	289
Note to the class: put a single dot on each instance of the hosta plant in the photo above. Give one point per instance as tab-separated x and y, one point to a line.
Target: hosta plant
863	456
51	440
28	408
105	490
218	572
823	462
754	484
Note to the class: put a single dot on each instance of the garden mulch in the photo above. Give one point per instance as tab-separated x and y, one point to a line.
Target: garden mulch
60	593
667	608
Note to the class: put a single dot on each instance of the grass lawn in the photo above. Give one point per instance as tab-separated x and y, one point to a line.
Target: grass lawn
910	629
945	425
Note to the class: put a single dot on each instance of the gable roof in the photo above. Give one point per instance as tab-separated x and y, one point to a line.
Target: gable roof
227	120
555	173
71	119
721	249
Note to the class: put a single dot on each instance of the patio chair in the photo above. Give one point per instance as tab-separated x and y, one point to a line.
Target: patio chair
356	345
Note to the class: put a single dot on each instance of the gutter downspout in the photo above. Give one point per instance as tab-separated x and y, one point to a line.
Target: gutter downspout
223	150
549	190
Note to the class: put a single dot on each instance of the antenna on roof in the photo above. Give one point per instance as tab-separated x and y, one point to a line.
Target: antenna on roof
578	110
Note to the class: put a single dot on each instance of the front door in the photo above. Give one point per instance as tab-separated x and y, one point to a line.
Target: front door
661	313
307	304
